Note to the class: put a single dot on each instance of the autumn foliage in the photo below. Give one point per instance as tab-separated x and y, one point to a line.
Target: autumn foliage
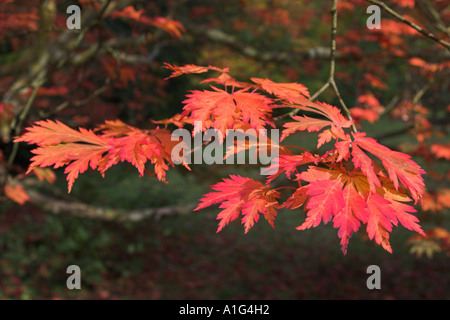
343	185
350	180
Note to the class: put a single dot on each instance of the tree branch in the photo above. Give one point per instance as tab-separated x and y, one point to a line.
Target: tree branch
218	36
425	33
398	132
330	82
333	63
16	125
80	209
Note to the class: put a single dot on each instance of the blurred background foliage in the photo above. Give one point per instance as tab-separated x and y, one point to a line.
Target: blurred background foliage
181	256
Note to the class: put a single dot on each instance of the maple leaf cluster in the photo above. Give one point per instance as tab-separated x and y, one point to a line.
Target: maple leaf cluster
114	142
356	182
345	185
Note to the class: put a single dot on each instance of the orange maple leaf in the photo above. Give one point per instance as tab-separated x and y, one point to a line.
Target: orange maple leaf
16	194
282	90
222	110
242	195
59	145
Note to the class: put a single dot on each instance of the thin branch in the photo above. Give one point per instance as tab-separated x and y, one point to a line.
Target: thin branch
425	33
431	14
319	92
17	125
444	121
342	103
218	36
77	103
333	39
422	91
390	106
80	209
333	63
330	82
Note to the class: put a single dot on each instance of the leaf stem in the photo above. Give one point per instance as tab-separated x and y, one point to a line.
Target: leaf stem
331	81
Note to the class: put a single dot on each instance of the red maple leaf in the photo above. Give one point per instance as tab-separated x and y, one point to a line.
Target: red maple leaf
139	146
16	194
400	167
333	118
345	198
59	145
173	27
242	195
303	123
288	164
326	200
222	110
128	12
282	90
441	150
347	221
226	80
190	68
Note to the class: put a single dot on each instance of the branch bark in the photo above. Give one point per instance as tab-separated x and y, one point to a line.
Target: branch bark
218	36
80	209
